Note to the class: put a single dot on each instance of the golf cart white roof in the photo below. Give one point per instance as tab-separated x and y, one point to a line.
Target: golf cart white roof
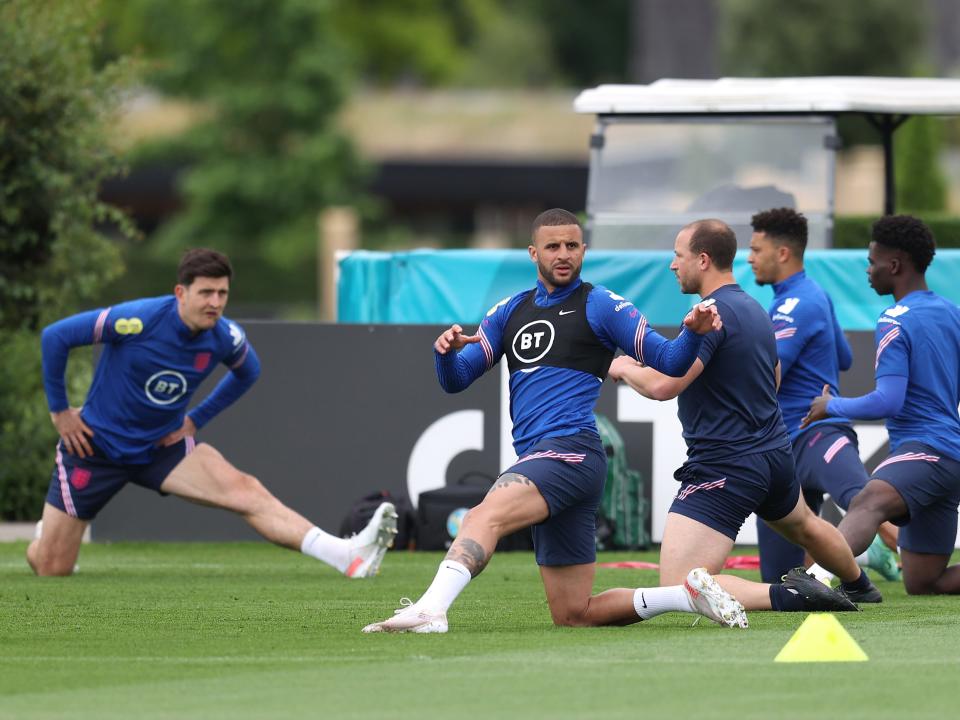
908	96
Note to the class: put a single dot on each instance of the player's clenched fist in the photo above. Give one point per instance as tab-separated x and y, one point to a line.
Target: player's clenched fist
453	339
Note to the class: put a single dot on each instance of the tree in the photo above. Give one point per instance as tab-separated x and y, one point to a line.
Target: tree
54	114
269	156
820	37
921	186
823	38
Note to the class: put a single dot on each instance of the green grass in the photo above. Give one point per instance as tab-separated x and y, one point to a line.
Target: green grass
248	630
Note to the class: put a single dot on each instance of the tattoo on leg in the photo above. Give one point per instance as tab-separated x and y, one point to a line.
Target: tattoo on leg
470	554
510	479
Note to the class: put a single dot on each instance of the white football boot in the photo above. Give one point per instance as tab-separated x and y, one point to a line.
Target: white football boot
712	601
410	618
368	546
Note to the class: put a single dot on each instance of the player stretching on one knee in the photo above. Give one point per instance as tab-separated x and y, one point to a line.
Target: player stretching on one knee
812	352
918	391
134	426
559	339
739	458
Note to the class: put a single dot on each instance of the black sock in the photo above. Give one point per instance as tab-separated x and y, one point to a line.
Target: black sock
784	600
861	583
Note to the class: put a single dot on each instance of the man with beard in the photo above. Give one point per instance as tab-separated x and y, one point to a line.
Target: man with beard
559	339
738	452
918	390
134	426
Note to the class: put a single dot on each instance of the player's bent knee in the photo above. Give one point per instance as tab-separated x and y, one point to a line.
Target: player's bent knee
52	567
920	588
571	615
569	619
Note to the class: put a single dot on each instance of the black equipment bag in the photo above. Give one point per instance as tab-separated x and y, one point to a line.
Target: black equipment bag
364	508
440	511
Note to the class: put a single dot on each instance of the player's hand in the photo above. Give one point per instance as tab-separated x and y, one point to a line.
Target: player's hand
818	408
454	339
703	318
620	365
73	432
188	429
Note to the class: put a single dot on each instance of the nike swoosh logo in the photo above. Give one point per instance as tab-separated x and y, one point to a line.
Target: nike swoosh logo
643	600
567	312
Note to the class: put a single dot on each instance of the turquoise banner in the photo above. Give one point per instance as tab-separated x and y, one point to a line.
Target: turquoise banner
447	286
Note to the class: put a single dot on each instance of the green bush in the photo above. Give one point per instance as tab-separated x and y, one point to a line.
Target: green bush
853	231
270	156
55	109
921	185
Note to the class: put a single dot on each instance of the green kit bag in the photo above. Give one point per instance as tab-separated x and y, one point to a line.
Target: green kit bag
623	521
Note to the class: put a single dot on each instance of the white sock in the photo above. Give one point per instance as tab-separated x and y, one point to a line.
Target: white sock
323	546
452	577
650	602
821	574
862	559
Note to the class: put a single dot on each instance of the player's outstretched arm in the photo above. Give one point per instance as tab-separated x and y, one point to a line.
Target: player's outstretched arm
456	370
454	339
884	402
650	383
677	357
617	322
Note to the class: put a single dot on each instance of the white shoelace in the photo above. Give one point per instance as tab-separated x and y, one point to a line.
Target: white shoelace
405	604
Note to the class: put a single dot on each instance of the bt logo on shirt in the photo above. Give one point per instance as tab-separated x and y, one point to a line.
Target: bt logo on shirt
165	387
533	341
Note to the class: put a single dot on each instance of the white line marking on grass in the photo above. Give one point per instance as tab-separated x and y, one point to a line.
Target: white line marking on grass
246	659
498	659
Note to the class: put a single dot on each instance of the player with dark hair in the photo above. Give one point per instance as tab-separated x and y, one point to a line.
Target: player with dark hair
134	425
739	459
812	351
917	390
559	339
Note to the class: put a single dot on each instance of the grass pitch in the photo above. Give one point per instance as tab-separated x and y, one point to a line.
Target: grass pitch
248	630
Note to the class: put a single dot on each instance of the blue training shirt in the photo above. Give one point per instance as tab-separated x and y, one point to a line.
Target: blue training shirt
731	409
149	369
555	401
919	339
810	344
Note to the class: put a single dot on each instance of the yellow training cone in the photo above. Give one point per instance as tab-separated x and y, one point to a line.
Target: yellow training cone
821	638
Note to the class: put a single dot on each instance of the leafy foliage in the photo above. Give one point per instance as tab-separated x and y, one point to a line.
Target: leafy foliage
853	231
921	185
269	157
485	43
55	109
820	37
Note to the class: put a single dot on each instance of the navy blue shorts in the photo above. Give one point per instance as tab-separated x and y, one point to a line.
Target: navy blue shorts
929	483
828	461
722	494
81	487
570	473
